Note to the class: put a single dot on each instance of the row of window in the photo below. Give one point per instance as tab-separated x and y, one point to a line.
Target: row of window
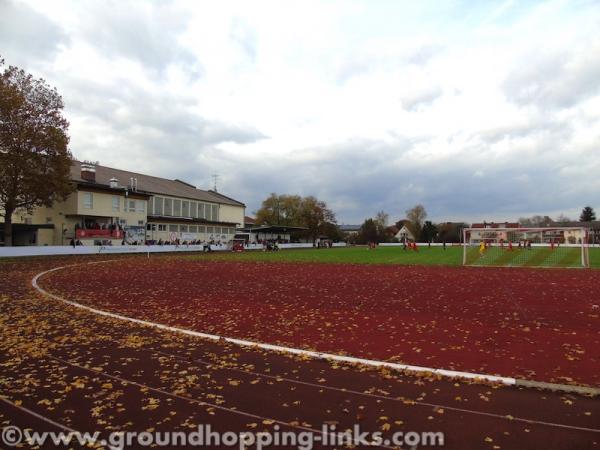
177	228
164	206
128	204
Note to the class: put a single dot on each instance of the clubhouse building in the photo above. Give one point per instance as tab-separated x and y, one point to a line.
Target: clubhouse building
111	206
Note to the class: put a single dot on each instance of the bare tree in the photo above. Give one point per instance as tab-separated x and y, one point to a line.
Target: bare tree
417	215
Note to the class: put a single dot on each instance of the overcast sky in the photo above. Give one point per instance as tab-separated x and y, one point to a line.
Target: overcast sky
477	109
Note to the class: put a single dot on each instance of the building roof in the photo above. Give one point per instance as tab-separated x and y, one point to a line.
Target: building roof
249	220
349	227
573	223
152	184
496	225
273	229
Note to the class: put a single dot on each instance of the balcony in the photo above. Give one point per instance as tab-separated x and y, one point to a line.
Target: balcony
106	234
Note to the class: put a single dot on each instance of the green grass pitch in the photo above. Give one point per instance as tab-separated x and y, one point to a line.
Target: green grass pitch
452	256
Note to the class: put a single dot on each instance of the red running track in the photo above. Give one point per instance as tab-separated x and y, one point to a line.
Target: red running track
524	323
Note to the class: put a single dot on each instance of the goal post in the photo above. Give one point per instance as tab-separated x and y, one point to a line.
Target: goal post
526	247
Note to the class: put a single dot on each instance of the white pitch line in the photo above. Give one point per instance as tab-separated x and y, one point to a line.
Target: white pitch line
509	381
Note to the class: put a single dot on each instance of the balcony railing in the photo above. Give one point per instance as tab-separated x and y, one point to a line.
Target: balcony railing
93	233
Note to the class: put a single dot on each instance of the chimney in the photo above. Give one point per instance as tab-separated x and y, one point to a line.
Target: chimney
114	183
88	172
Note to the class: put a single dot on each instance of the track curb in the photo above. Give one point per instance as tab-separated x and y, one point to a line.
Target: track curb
556	387
445	373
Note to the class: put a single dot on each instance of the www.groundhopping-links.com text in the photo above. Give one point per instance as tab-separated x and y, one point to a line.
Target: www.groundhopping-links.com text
205	436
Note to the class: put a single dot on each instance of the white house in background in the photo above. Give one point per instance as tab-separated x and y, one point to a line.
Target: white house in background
404	234
350	229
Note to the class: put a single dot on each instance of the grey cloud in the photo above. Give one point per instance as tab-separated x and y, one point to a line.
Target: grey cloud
141	31
542	128
28	38
555	80
152	132
362	177
128	108
421	99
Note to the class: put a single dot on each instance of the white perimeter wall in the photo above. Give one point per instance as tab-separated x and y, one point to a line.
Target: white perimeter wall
15	252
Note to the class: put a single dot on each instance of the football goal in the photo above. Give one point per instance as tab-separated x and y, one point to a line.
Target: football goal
526	247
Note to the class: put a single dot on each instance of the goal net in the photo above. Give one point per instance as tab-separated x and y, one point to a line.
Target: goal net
526	247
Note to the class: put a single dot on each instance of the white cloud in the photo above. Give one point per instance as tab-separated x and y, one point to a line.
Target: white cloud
475	110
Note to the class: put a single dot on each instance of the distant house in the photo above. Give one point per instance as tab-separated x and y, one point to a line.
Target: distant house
249	222
593	228
402	231
350	229
405	234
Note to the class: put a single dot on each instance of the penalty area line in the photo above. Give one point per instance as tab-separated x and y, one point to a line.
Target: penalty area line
445	373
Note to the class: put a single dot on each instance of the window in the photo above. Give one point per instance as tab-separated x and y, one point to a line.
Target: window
151	226
88	200
193	229
194	210
174	228
158	206
116	203
183	228
210	230
177	208
185	208
201	210
141	223
140	206
131	205
162	227
207	212
151	206
201	229
215	212
168	207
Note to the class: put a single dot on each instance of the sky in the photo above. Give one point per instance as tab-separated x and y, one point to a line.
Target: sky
479	110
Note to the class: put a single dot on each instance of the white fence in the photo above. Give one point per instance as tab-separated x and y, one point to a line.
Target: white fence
15	252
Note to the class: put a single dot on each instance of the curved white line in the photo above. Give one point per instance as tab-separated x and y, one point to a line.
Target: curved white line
276	348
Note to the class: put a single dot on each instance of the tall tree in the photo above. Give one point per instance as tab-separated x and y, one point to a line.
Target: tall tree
417	215
382	218
381	222
316	216
34	159
293	210
587	214
535	221
429	232
450	231
280	210
563	220
368	232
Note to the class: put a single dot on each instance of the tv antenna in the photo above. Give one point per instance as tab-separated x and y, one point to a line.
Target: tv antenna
215	178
